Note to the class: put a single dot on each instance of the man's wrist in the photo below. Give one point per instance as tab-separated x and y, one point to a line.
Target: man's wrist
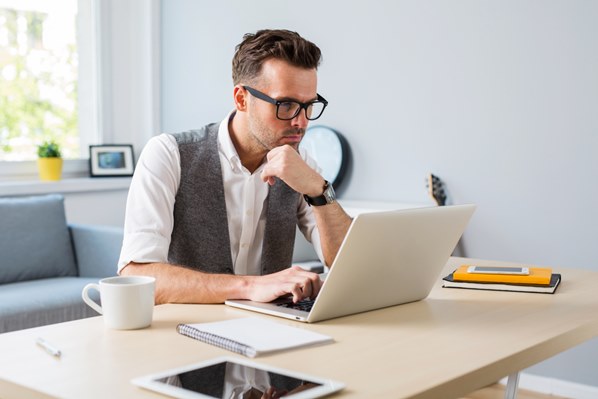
242	289
328	196
319	190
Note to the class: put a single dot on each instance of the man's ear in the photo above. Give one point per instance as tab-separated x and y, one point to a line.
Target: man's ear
240	98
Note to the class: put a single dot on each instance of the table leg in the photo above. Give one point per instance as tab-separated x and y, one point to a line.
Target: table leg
512	382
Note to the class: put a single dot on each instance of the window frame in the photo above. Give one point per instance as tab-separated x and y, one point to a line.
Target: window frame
123	50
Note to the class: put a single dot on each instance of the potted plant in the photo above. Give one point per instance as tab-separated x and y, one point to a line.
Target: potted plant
49	162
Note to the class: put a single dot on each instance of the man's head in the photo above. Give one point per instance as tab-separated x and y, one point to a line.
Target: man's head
275	93
266	44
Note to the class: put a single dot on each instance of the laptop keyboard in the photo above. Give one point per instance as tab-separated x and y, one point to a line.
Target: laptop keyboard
304	305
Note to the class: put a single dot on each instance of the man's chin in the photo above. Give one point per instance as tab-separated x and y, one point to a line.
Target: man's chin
293	141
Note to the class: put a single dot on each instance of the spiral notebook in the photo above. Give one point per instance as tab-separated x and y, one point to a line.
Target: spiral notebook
252	336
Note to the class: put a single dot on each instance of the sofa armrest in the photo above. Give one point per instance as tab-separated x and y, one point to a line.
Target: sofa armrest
97	249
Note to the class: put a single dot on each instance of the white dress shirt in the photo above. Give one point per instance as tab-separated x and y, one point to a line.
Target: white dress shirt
149	217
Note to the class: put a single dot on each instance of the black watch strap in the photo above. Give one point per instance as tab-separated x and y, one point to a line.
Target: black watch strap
327	197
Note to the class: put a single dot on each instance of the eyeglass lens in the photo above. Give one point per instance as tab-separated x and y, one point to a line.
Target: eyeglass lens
290	109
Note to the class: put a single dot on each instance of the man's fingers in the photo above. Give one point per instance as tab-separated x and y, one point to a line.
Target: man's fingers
285	163
308	283
297	282
316	286
314	281
307	289
267	177
300	289
297	293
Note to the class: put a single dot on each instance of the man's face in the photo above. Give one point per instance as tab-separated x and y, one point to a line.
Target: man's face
280	81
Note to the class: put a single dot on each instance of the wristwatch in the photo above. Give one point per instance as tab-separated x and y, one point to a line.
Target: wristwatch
327	197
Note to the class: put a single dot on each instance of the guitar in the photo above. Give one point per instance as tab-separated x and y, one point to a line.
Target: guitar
437	191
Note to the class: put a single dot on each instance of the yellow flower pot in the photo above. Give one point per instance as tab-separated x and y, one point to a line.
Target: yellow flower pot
50	169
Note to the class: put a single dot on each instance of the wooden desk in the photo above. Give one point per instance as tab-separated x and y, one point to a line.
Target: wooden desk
452	343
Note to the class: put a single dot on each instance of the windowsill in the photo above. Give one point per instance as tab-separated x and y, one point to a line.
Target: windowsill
21	178
71	185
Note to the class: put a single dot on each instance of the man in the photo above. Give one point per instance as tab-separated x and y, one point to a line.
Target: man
212	213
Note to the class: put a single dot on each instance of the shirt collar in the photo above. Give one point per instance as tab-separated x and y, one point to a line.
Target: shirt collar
227	148
225	143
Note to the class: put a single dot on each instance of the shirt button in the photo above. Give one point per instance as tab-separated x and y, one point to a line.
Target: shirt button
244	245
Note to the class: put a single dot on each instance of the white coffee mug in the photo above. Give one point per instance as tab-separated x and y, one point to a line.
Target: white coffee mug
127	301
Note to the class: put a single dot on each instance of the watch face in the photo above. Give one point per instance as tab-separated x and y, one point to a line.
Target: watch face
329	194
327	197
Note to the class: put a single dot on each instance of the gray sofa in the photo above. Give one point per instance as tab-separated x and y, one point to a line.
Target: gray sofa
45	263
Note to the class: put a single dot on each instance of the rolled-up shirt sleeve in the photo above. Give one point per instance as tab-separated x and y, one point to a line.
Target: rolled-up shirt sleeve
149	215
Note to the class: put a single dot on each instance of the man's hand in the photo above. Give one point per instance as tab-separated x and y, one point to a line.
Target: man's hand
333	223
299	283
285	163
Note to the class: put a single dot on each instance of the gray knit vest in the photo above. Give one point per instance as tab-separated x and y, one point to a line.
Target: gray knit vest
200	238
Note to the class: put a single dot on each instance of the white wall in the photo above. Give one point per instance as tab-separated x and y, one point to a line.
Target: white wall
498	98
106	208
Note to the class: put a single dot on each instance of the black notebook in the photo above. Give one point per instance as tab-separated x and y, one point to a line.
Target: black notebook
555	279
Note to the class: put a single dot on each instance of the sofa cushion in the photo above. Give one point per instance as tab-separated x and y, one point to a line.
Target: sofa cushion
34	239
36	303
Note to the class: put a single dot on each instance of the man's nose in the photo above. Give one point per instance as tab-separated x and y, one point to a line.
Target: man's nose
300	120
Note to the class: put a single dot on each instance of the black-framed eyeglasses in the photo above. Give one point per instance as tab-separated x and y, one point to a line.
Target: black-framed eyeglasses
288	109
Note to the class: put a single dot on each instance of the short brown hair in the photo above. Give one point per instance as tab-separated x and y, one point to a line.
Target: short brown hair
281	44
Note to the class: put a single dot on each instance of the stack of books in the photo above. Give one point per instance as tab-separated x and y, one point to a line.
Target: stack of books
539	280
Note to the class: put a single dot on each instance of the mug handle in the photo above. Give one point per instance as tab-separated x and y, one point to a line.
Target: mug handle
90	302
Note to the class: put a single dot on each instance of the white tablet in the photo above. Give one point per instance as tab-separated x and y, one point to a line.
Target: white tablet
229	377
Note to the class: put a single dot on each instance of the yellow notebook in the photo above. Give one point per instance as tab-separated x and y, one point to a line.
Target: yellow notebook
537	275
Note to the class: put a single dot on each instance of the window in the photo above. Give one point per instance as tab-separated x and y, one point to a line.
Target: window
117	80
39	76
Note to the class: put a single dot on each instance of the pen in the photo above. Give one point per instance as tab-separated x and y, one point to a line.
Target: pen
52	350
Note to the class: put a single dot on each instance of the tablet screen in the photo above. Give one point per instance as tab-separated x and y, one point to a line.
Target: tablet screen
231	379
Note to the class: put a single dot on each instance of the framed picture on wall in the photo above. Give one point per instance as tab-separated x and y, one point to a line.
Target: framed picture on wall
110	160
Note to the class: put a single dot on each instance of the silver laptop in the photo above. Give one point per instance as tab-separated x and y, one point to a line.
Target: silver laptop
386	259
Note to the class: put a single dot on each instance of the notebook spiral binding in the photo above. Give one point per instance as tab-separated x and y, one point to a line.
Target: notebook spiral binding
216	340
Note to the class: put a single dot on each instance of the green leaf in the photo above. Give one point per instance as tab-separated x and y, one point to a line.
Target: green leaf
48	149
